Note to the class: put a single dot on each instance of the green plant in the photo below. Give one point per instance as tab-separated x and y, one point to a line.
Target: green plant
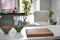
52	22
26	6
50	13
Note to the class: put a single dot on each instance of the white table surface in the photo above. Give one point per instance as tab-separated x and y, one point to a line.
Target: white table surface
54	28
13	35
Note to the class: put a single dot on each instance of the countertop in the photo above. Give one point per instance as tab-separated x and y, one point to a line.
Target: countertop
13	35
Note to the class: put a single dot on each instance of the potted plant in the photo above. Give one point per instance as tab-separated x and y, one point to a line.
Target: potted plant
6	29
52	22
18	28
26	9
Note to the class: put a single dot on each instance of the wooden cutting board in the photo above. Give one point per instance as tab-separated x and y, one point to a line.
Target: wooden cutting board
42	32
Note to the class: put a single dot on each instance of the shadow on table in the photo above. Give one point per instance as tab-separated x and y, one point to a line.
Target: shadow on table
53	38
5	37
18	35
42	39
57	38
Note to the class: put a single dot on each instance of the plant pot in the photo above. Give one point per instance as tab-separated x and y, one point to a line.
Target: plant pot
26	23
52	22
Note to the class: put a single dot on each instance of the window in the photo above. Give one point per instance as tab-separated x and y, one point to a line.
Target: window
35	6
10	3
7	5
20	6
18	3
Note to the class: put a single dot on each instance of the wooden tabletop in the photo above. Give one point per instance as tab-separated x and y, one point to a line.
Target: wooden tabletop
39	32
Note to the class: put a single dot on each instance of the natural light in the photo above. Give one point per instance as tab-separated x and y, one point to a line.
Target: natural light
35	7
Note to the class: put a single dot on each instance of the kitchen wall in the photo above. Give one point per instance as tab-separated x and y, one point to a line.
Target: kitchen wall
54	5
56	9
45	4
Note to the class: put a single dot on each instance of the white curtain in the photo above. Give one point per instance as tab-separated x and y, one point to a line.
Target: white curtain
8	4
